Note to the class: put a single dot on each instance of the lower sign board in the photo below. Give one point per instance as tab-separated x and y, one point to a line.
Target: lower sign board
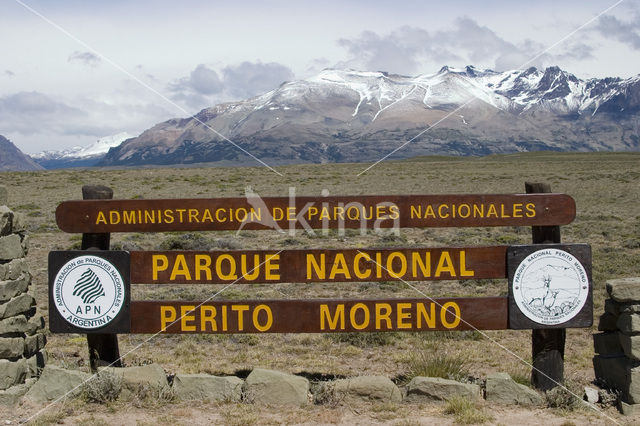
319	316
550	286
89	292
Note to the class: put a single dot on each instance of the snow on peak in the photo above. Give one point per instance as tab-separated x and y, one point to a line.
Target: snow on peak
100	147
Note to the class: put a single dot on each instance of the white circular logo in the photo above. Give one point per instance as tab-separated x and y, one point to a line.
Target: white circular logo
550	286
88	291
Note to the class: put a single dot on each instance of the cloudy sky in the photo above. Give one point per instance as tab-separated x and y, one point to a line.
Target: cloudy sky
72	71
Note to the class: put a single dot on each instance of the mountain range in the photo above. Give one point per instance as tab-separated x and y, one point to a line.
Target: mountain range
348	115
79	156
12	159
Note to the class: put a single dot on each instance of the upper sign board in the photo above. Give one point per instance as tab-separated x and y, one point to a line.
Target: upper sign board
365	211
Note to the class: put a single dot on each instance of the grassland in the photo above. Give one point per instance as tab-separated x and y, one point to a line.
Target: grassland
605	186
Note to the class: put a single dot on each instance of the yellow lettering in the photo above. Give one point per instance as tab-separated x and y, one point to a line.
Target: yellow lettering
266	326
271	270
339	267
167	316
319	268
159	263
203	264
180	268
184	317
352	316
456	312
325	315
101	218
380	315
429	317
207	316
403	264
416	262
531	210
445	264
402	315
464	272
231	275
356	265
240	309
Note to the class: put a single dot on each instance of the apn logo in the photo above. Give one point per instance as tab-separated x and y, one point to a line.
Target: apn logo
88	291
88	287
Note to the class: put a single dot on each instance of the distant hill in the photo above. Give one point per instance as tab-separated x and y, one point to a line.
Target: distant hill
12	159
351	116
79	156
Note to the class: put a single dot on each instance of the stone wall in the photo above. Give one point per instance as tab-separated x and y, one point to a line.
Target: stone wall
617	363
22	339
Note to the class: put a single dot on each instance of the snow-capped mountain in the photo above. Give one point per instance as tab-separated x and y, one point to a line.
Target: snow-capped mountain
80	156
347	115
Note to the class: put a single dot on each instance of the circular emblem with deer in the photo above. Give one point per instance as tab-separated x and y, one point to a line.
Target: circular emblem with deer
550	286
88	292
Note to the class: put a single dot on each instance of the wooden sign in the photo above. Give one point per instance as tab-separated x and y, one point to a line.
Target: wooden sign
364	211
319	316
550	286
304	266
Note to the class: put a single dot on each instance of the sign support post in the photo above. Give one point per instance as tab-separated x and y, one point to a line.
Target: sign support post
547	345
101	346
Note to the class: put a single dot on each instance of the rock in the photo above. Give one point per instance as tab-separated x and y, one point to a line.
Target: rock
607	344
13	269
368	388
628	323
612	371
11	247
629	308
630	346
17	324
16	306
12	395
134	378
33	344
624	289
6	220
9	289
12	372
629	409
631	394
275	388
34	324
503	390
19	222
591	395
25	244
607	322
612	307
200	387
56	383
37	362
11	347
435	388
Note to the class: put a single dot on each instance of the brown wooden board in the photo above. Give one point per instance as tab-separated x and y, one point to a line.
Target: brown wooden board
319	316
548	299
364	211
303	266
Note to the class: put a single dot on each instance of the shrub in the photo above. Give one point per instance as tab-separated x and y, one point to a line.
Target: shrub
429	363
103	387
466	411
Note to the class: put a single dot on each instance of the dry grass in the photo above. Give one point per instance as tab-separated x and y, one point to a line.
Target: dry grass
604	186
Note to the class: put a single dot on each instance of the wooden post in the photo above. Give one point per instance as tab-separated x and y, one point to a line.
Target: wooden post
547	346
102	347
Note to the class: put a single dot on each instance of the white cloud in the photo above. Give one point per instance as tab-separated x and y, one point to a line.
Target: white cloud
409	50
